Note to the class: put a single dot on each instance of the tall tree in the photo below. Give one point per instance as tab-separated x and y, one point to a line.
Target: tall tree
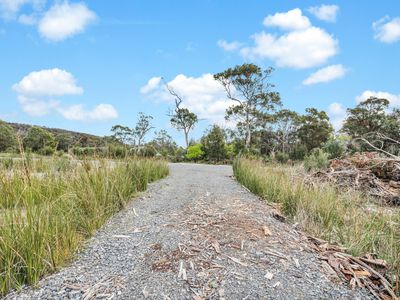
367	117
181	118
249	87
315	128
142	128
123	134
286	124
214	145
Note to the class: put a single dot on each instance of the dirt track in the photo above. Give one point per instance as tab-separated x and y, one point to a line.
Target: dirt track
194	235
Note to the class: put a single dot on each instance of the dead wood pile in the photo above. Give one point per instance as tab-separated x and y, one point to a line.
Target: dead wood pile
368	172
365	272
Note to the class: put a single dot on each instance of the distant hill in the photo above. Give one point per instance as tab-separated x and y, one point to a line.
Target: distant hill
76	138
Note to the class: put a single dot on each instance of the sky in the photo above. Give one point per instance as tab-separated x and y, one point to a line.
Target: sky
88	65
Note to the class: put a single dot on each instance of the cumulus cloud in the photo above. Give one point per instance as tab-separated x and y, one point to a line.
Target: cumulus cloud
27	19
78	112
10	8
326	74
393	98
37	107
291	20
325	12
203	95
50	82
64	20
37	89
151	85
302	46
229	46
387	30
337	114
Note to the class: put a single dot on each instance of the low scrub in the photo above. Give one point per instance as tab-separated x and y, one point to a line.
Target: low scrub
343	217
48	207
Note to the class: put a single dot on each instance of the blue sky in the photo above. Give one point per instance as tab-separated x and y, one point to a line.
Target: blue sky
86	65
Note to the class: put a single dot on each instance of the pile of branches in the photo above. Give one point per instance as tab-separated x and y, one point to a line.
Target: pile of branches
364	272
368	172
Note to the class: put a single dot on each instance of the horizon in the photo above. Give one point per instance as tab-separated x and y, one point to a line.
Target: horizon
85	66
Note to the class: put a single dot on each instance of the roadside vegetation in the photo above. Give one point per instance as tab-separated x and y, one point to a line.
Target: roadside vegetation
49	206
346	218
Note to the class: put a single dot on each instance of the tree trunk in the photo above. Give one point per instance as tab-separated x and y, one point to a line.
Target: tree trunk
187	139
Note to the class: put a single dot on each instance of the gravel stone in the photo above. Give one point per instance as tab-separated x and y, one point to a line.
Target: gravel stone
197	234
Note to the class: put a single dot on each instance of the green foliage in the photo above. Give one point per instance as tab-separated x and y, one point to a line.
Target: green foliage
281	157
317	160
195	152
8	140
164	144
368	116
38	138
253	96
214	146
298	152
63	141
315	128
335	147
46	150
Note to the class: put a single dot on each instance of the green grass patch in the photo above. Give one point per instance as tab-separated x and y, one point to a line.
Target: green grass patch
343	217
50	206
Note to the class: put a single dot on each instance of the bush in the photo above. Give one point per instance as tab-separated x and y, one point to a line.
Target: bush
8	140
281	157
317	160
298	152
195	152
335	148
38	138
47	150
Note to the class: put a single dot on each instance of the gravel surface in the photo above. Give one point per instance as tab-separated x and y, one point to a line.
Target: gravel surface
196	235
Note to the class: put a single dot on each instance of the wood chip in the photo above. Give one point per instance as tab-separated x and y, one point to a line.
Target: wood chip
269	275
266	230
237	261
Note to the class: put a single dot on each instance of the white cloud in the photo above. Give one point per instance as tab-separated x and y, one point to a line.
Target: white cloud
77	112
36	107
336	109
152	84
51	82
291	20
229	46
393	98
10	8
37	89
326	74
387	30
298	49
203	95
64	20
337	114
325	12
27	19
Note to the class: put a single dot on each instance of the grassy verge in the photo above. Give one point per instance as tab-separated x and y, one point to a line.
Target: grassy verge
48	207
345	218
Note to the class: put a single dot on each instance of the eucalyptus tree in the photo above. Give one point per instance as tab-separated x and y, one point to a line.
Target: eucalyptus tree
249	87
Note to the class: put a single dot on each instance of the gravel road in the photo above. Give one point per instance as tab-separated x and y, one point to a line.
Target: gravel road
194	235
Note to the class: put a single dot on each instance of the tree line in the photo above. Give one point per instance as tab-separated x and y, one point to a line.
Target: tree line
263	127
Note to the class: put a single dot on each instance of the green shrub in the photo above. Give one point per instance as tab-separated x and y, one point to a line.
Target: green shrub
8	140
195	152
298	152
37	139
317	160
334	147
281	157
47	150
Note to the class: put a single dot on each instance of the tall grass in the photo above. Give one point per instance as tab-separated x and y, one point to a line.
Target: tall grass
343	217
46	214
